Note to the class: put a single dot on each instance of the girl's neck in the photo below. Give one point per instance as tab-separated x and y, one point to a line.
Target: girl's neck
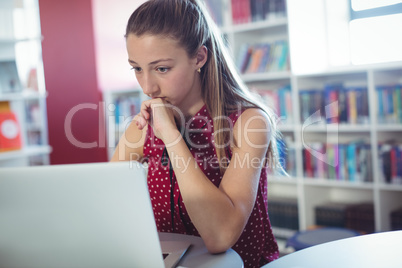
189	111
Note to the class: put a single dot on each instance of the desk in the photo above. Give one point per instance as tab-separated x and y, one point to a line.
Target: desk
380	250
198	256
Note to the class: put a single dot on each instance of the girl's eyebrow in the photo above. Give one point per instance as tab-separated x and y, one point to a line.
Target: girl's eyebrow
151	63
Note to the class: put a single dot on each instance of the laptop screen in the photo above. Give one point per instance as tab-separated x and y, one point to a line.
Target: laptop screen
81	215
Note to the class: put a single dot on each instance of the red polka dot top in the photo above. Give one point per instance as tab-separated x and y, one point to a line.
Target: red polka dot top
256	245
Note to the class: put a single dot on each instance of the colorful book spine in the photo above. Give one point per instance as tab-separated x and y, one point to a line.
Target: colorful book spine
398	105
332	102
352	109
279	100
265	57
215	9
389	104
338	104
342	163
331	161
245	11
351	161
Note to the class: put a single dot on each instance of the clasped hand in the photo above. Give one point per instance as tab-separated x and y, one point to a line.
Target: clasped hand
160	115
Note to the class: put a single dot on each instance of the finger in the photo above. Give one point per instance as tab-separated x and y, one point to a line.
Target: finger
140	121
145	108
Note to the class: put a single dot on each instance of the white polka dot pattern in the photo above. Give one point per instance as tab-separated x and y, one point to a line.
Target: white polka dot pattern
257	245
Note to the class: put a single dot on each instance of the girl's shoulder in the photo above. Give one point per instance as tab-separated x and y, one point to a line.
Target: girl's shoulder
248	115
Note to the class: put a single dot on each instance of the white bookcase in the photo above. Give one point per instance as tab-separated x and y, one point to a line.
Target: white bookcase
20	46
313	191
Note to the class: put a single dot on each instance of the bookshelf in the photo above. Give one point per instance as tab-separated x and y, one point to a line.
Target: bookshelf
379	127
314	191
120	108
22	90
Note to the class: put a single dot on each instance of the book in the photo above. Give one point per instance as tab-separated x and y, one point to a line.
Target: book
354	216
245	11
320	170
283	213
263	57
352	161
343	174
365	163
243	59
389	104
396	219
308	164
215	9
343	162
385	161
390	162
312	103
331	93
398	104
331	215
331	161
360	217
255	60
10	131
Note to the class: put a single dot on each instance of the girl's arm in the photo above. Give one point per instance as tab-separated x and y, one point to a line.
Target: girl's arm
220	214
131	144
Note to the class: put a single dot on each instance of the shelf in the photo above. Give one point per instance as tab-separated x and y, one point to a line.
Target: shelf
391	187
21	59
340	184
281	179
25	152
286	128
389	127
315	191
24	95
337	128
256	26
12	40
256	77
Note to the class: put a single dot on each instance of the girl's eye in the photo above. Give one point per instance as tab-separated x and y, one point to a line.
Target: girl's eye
136	69
162	69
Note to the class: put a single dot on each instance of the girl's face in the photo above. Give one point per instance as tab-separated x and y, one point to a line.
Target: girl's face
164	70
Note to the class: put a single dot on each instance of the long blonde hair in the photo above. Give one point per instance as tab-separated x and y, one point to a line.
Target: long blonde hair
222	89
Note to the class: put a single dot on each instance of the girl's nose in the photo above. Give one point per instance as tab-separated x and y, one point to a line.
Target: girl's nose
149	87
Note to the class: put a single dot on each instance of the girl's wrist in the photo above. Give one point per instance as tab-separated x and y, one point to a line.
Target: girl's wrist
171	138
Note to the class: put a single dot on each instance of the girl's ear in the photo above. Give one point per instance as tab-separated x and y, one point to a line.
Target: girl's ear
202	56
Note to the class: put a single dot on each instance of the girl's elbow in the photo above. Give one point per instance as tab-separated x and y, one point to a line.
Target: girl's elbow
220	242
216	247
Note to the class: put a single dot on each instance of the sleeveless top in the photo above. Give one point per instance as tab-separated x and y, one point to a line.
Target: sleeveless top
256	245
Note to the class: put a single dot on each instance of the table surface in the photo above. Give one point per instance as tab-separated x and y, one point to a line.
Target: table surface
380	250
198	255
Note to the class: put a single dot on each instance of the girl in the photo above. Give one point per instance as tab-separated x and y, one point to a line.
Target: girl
207	142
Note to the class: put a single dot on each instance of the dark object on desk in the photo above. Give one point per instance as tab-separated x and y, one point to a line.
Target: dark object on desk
396	219
305	239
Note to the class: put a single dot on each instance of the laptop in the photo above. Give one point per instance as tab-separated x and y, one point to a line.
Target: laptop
80	215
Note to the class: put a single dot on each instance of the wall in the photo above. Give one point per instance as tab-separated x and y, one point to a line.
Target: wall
110	19
71	82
